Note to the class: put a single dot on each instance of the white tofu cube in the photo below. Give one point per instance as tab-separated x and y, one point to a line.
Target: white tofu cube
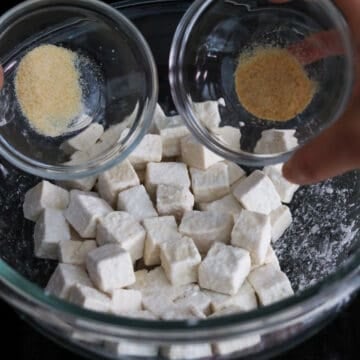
136	201
121	228
197	155
174	200
125	300
179	313
235	172
157	304
75	252
208	114
281	219
252	232
115	180
89	298
126	348
224	269
64	278
244	300
271	285
158	121
149	150
50	229
206	227
271	258
180	260
155	283
110	268
211	184
227	347
230	136
183	352
169	173
226	311
285	188
158	231
83	212
44	196
84	140
142	314
195	299
276	141
257	193
171	140
83	184
228	205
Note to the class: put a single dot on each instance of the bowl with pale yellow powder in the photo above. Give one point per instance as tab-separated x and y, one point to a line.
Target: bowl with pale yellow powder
272	75
80	87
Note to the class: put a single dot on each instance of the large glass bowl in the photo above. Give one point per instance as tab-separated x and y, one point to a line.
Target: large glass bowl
118	77
320	253
207	48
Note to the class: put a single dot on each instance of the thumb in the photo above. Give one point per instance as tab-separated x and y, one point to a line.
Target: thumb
334	152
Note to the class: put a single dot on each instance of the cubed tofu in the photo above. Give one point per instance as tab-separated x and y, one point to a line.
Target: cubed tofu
50	229
121	228
275	141
230	136
211	184
149	150
208	114
125	300
110	268
155	283
183	352
227	347
157	304
271	284
257	193
244	300
206	227
115	180
197	155
44	196
171	140
136	201
84	211
126	348
281	219
228	205
89	298
75	252
271	258
167	173
196	299
64	278
252	232
180	260
285	188
174	200
83	184
224	269
84	140
235	172
180	313
159	120
158	231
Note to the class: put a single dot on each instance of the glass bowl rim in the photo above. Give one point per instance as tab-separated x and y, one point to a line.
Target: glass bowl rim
180	41
125	147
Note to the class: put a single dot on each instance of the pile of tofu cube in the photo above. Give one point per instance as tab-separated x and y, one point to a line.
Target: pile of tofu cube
174	232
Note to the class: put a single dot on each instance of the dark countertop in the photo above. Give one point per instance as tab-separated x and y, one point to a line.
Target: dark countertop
338	341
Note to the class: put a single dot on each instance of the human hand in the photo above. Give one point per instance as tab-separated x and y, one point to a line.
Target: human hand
337	149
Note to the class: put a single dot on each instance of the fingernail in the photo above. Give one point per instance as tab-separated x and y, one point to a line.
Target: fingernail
294	174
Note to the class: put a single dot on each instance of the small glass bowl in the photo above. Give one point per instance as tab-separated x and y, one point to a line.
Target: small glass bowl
206	51
118	78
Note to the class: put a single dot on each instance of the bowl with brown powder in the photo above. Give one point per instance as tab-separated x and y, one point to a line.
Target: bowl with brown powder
256	64
76	74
